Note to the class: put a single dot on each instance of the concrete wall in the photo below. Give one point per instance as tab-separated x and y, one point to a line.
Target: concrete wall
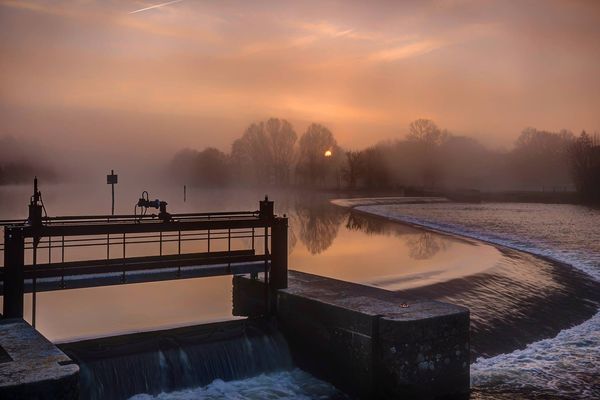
34	368
368	341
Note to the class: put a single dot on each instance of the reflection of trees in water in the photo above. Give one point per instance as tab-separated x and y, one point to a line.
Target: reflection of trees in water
425	245
421	246
318	223
371	226
292	238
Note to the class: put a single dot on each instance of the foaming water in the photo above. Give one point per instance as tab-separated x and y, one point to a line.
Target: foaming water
567	364
288	384
234	360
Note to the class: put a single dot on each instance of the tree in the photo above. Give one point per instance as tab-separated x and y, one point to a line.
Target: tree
376	171
354	168
212	168
425	138
264	153
282	139
318	155
584	162
425	131
539	158
209	167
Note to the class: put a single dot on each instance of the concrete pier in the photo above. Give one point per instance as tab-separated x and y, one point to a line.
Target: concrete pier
33	368
369	342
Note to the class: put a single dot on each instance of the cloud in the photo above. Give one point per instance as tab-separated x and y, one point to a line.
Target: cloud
410	50
154	6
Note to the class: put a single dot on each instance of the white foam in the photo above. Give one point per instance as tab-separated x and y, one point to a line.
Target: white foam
284	385
568	364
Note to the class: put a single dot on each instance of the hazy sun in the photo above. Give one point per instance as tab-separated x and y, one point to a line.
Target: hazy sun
328	153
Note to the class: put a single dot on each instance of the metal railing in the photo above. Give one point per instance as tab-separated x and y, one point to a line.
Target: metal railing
43	256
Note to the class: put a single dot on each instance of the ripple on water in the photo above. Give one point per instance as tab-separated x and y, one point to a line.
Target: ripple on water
565	365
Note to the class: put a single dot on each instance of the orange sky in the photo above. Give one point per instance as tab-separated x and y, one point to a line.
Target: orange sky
194	73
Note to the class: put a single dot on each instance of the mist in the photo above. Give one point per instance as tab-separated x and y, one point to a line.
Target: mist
96	87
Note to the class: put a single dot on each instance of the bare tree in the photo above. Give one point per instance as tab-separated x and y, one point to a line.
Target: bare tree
318	155
425	131
540	158
209	167
264	153
282	139
425	138
376	171
354	168
584	160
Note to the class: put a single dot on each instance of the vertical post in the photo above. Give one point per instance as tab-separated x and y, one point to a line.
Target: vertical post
279	254
112	180
112	172
184	193
14	259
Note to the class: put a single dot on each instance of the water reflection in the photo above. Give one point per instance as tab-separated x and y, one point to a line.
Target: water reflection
425	245
317	222
370	226
421	246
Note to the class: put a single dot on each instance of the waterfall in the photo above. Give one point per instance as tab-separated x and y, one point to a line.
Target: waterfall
120	367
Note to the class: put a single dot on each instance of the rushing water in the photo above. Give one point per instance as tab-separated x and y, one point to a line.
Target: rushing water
534	321
292	384
566	365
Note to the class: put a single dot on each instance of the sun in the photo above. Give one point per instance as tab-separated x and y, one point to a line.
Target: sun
328	153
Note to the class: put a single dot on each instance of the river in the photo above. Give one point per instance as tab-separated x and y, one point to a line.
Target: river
528	272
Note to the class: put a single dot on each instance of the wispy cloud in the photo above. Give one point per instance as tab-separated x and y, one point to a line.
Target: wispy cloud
155	6
324	28
410	50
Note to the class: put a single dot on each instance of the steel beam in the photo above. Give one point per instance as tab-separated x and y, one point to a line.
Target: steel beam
279	253
14	260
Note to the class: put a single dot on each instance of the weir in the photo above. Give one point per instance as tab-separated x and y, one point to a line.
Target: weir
163	361
368	342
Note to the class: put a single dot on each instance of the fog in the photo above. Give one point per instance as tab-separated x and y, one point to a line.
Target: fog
95	87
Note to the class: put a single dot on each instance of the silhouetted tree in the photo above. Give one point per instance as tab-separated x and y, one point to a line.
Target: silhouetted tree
282	139
209	168
353	169
318	155
540	158
467	163
376	171
425	138
426	132
584	161
249	155
265	152
213	168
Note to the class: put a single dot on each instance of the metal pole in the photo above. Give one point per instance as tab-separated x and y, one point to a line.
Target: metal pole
14	259
112	172
34	282
279	254
184	193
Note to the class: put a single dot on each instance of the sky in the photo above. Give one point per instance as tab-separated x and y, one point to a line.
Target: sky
110	79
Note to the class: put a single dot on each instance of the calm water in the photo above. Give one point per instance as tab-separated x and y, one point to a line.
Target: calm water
521	305
565	365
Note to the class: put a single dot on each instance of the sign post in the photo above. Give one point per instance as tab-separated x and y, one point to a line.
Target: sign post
112	180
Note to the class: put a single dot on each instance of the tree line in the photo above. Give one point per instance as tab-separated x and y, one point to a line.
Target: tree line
20	162
271	154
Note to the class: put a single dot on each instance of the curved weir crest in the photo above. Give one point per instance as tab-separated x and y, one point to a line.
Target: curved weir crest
565	365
